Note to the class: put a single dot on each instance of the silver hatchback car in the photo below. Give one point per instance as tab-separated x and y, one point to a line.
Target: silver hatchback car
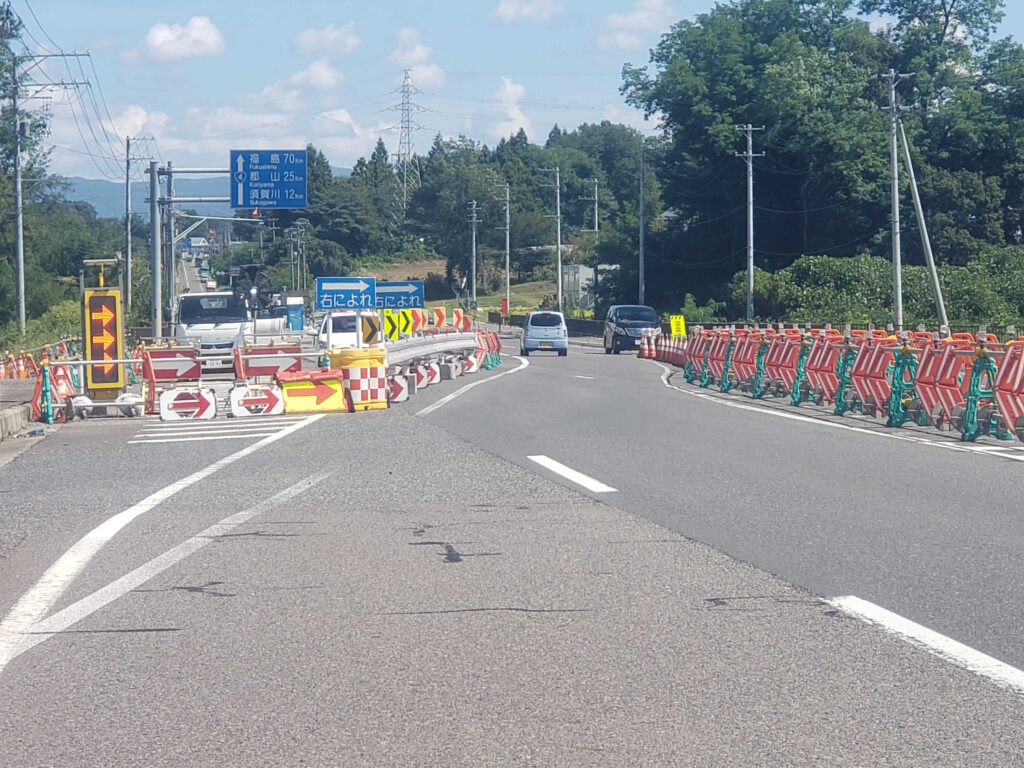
544	330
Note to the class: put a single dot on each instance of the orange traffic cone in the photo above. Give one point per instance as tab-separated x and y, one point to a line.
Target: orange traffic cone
645	350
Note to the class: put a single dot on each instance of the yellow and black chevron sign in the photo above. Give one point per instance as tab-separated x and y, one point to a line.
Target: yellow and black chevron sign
371	329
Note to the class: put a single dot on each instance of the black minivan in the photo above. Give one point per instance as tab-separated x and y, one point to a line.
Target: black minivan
626	324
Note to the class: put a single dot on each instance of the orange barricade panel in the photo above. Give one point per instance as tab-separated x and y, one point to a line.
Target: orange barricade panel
1009	387
953	376
821	366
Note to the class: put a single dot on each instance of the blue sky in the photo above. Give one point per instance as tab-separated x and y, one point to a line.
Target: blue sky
203	78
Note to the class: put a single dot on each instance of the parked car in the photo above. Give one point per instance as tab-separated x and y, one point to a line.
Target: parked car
626	324
344	331
543	330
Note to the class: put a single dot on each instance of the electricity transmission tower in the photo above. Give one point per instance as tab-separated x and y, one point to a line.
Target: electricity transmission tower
406	168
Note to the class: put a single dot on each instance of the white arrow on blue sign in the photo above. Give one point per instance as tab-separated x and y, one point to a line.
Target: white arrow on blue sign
268	178
402	294
346	293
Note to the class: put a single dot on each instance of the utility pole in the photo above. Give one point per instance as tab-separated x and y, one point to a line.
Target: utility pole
157	310
594	201
749	157
558	228
923	226
128	219
7	28
172	277
508	251
641	278
472	267
897	277
19	223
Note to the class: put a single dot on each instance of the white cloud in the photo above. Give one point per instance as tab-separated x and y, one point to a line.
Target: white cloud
171	42
217	122
620	41
651	15
135	121
343	140
428	76
287	94
413	55
280	96
329	39
509	94
526	10
644	16
410	50
319	75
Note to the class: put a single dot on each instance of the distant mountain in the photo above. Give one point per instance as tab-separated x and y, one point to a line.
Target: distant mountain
107	197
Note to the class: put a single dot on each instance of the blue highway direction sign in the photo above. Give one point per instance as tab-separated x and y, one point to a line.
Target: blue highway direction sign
403	294
268	178
346	293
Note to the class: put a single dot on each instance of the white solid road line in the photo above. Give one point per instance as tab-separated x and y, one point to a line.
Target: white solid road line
225	436
462	390
964	656
1004	452
33	605
58	622
592	485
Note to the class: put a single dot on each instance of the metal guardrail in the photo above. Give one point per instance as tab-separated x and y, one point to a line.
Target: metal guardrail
407	350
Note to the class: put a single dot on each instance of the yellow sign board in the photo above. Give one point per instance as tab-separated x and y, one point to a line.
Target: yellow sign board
678	325
323	394
103	338
391	324
371	329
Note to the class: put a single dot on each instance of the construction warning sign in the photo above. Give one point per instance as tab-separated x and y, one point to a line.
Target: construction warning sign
308	391
371	329
103	338
405	322
391	324
678	325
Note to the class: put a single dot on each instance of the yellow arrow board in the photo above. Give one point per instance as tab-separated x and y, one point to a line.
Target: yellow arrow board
103	338
405	322
371	329
439	316
457	317
678	325
323	394
391	324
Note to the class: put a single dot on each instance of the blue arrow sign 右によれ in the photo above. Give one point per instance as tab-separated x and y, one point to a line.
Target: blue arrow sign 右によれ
268	178
346	293
402	294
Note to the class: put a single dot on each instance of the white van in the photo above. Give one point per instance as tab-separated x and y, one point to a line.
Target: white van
344	331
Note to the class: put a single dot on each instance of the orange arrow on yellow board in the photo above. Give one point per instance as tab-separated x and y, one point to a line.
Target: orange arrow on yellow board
105	314
104	338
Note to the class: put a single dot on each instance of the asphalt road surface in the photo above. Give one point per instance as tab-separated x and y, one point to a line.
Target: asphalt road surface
579	561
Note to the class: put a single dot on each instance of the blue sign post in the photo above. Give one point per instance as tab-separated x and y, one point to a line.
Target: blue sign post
403	294
346	293
268	178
